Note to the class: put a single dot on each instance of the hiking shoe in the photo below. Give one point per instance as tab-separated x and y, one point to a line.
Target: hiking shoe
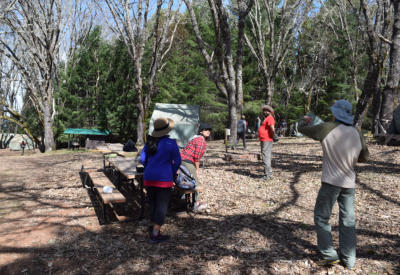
344	264
327	263
201	206
159	238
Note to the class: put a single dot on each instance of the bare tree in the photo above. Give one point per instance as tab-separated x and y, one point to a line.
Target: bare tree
338	16
376	23
391	89
274	25
224	71
37	27
131	20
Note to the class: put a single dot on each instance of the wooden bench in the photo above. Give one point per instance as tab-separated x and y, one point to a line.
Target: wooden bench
96	180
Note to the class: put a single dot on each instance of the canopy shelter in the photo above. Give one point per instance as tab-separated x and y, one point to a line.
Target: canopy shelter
86	132
94	137
186	118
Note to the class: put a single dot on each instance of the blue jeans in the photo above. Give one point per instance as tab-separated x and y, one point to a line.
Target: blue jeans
327	196
158	199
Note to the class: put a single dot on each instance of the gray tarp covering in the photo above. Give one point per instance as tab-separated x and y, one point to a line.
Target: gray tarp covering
15	142
186	118
394	127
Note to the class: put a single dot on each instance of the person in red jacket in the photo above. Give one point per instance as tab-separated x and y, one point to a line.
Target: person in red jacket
266	134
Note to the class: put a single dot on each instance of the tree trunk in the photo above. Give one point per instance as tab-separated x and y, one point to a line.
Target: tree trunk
391	89
270	91
140	126
244	9
371	85
233	117
376	105
49	143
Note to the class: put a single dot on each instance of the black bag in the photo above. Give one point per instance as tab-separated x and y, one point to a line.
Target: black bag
184	179
275	138
130	146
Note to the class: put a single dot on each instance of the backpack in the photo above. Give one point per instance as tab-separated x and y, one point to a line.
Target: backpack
130	146
241	126
184	179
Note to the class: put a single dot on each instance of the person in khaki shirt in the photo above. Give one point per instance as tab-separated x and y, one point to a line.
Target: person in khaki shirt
343	146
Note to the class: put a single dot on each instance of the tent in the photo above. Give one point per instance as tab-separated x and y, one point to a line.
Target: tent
186	118
14	141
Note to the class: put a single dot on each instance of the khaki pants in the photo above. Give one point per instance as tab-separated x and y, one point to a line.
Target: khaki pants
266	150
192	170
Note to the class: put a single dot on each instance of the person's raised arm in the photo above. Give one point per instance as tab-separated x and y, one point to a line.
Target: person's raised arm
317	132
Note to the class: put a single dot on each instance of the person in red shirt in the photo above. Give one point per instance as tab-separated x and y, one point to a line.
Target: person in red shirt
266	134
192	154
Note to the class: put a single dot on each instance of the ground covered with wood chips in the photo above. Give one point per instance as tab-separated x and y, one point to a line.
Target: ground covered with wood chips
48	223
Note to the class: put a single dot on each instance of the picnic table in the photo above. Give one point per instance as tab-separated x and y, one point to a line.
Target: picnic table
125	181
127	177
110	149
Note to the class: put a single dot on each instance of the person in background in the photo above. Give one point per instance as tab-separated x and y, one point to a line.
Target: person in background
241	132
283	128
258	124
343	145
161	159
266	134
192	154
23	144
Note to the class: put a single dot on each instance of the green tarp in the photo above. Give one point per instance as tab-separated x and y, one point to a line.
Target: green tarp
92	132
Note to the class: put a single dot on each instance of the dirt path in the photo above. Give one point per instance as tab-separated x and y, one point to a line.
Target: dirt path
48	223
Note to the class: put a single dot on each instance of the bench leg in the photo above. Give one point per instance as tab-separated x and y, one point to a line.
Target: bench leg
142	203
194	202
188	204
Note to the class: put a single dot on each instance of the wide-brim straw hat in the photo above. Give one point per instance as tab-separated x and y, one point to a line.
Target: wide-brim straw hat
342	111
267	107
162	126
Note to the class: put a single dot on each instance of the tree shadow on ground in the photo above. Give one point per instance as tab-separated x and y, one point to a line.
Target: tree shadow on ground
123	248
197	247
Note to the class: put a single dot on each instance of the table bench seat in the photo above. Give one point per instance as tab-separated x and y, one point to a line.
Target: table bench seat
100	181
96	180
